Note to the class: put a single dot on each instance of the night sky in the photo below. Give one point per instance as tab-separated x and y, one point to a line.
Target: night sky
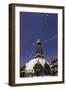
35	26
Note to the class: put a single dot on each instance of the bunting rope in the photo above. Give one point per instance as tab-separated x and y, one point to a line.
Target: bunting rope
52	38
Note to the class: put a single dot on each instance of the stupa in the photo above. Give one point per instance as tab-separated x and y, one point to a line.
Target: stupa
38	66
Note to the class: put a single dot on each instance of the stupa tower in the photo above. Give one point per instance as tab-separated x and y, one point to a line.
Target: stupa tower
39	51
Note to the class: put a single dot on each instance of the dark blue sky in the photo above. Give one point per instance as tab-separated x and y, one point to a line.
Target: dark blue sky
35	26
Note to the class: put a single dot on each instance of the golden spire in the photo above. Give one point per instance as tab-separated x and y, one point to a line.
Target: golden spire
39	51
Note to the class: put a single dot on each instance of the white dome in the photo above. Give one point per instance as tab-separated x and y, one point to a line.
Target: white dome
32	62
